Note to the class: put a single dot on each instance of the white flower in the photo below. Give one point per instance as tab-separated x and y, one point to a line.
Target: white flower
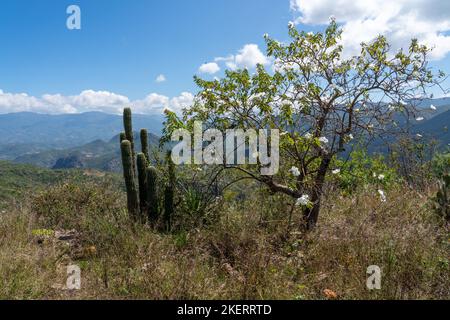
432	107
419	135
391	107
374	175
381	177
258	95
419	118
303	200
323	140
382	195
350	137
287	103
199	169
336	171
308	136
291	25
310	33
294	171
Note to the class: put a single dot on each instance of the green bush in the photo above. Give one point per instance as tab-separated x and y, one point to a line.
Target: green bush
361	170
94	211
441	170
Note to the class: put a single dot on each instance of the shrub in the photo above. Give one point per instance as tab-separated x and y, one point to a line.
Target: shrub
441	170
361	170
96	212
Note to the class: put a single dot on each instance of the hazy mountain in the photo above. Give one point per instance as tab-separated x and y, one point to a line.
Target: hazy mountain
84	140
436	128
43	131
98	154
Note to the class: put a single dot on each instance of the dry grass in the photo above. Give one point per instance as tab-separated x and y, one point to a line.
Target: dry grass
251	253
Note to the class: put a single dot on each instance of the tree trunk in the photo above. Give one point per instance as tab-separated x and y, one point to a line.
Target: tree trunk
311	215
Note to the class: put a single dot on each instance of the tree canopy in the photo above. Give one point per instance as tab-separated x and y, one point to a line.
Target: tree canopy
319	99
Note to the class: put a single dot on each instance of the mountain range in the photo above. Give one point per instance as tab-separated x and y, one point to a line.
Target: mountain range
44	131
90	140
98	154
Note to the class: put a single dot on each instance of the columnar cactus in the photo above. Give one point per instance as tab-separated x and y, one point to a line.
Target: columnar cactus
143	187
144	202
129	176
152	200
144	144
168	207
169	192
127	123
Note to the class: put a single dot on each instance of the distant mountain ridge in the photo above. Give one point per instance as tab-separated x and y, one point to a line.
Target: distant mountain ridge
435	128
67	130
98	154
90	140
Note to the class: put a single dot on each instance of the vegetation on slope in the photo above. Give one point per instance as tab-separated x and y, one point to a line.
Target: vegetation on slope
19	180
252	252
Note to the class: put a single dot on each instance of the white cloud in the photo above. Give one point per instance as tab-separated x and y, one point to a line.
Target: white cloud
399	21
87	100
210	68
247	57
161	78
182	101
90	100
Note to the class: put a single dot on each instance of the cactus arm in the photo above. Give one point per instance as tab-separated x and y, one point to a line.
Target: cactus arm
143	187
130	183
152	181
128	126
169	207
144	145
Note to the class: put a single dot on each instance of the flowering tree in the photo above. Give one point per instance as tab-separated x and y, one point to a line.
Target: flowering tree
319	99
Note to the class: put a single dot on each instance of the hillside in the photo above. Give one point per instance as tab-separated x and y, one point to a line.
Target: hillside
17	180
97	154
436	128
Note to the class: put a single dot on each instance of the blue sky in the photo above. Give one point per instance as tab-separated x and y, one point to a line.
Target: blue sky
123	46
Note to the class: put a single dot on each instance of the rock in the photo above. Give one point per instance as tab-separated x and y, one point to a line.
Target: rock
66	235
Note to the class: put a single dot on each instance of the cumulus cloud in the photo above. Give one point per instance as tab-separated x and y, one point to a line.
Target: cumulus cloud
182	101
90	100
161	78
247	57
399	21
210	68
